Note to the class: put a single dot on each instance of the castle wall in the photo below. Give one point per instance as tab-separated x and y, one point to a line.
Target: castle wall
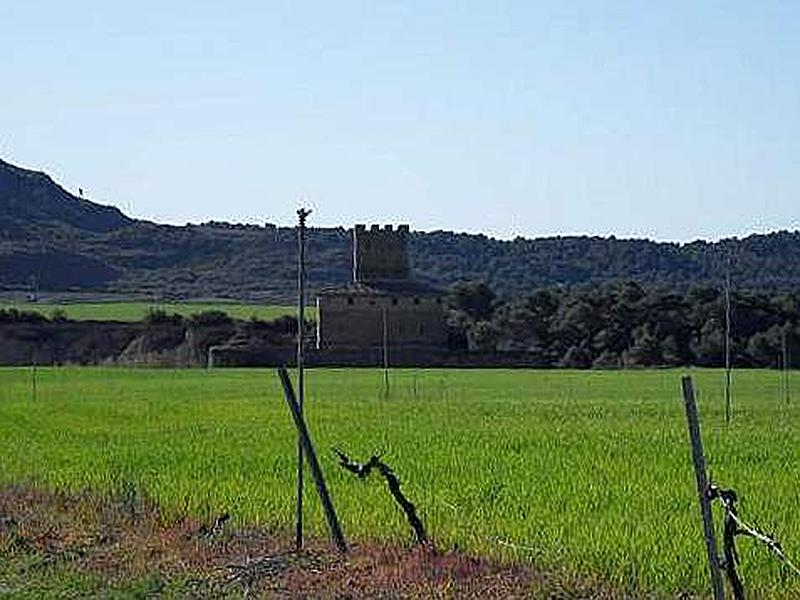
357	321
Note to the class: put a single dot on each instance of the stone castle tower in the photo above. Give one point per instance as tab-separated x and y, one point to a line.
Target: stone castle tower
383	306
380	254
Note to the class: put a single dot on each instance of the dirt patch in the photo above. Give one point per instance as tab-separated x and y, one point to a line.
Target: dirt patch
99	543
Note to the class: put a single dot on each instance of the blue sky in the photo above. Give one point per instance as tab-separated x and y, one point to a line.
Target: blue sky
674	120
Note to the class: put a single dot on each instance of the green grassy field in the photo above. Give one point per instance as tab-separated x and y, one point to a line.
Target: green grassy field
136	311
587	472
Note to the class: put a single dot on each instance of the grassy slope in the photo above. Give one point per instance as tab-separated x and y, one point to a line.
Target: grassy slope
589	471
135	311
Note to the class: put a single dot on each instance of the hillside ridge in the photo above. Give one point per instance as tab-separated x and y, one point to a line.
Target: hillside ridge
61	242
33	198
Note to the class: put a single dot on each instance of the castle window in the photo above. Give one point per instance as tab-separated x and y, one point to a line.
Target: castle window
394	301
350	300
421	329
372	302
438	301
416	300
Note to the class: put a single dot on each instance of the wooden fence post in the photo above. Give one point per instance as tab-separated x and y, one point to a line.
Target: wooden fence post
313	463
702	487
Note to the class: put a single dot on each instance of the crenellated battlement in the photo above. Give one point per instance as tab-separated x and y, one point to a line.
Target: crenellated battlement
380	253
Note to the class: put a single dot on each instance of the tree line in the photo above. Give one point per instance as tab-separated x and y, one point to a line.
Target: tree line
618	325
627	325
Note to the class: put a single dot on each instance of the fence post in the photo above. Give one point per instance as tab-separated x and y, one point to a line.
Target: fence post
313	463
702	487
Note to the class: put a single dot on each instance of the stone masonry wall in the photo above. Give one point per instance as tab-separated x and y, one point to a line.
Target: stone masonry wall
357	321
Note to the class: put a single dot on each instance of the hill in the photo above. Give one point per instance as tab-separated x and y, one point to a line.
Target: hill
63	242
33	198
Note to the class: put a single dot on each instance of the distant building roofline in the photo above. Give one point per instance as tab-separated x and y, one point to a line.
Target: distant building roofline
384	288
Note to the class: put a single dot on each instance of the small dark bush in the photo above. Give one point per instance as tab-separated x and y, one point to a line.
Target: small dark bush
156	316
211	317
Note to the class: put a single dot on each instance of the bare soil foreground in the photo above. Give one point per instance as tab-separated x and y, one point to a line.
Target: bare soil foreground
82	545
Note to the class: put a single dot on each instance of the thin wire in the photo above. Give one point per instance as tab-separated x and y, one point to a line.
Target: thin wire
751	531
508	544
497	540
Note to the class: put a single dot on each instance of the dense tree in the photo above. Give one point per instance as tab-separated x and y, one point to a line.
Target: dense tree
765	348
482	336
646	350
627	325
474	299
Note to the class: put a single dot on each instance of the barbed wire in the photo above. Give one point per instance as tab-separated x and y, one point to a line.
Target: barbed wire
728	499
517	547
495	540
734	526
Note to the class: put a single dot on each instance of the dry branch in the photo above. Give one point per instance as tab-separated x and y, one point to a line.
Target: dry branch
362	470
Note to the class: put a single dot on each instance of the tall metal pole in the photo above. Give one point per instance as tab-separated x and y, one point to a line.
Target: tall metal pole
302	213
728	342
